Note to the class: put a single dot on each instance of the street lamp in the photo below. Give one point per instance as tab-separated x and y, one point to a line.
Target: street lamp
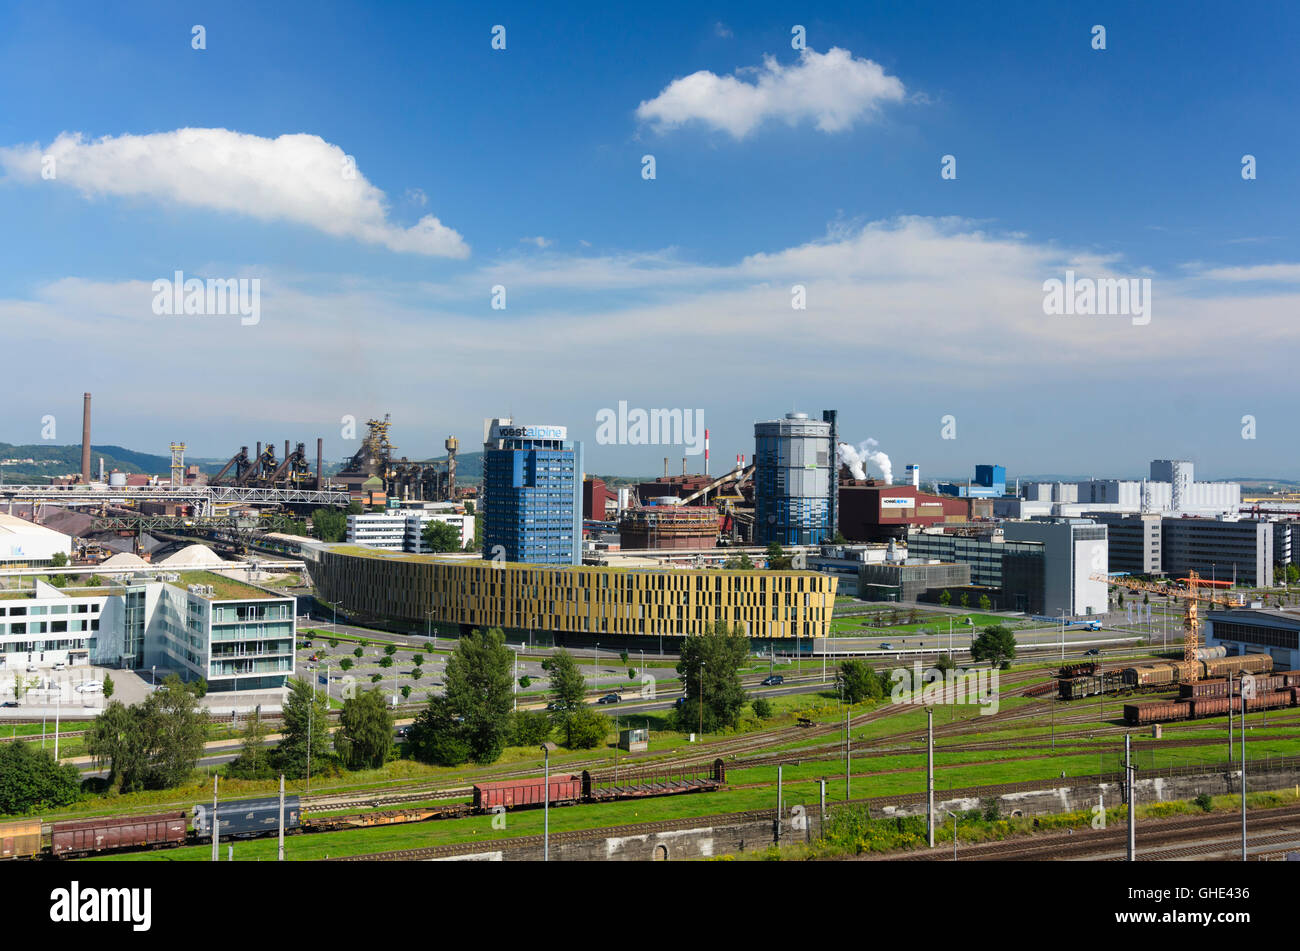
547	749
954	833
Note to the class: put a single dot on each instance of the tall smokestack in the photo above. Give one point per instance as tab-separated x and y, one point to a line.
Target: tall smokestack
706	452
85	440
683	465
320	447
665	467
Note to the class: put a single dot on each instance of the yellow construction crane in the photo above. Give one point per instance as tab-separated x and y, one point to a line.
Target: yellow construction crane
1191	595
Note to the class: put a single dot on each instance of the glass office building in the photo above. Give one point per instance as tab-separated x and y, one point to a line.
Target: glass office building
532	485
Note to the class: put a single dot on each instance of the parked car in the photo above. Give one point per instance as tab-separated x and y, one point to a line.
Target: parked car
403	732
1092	653
886	647
9	703
60	666
610	698
92	686
773	680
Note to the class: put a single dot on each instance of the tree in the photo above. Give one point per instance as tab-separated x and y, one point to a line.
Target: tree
152	745
385	662
945	663
346	664
416	673
441	536
428	647
585	729
375	678
858	681
60	560
94	581
965	599
1120	599
358	653
525	682
109	686
30	780
741	562
198	687
777	559
364	739
333	642
254	760
762	708
1292	573
985	603
623	656
945	598
631	673
712	659
406	691
995	644
479	688
418	660
390	649
304	716
437	736
529	728
568	686
330	525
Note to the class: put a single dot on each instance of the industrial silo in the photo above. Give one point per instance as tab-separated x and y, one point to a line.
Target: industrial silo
793	481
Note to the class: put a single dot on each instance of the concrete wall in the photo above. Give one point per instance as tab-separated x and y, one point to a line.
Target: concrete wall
753	831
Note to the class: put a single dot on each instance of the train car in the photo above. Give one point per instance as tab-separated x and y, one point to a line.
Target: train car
20	840
1210	707
84	836
513	793
1156	711
1250	663
1151	674
245	818
1205	689
1078	670
1268	701
1290	678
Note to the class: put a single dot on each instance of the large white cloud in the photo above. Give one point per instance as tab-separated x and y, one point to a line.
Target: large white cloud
299	178
834	89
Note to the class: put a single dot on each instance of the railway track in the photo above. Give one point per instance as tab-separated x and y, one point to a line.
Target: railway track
1151	835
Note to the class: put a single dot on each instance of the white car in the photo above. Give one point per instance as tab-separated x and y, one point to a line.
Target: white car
93	686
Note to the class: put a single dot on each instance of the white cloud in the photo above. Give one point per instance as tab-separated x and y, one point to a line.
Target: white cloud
298	178
834	89
722	30
1287	273
539	241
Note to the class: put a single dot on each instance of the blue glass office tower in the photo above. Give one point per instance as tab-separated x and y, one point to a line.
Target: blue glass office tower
532	485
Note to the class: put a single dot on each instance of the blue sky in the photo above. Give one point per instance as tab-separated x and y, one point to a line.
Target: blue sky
924	295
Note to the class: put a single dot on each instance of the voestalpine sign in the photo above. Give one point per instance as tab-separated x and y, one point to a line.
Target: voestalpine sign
533	432
898	503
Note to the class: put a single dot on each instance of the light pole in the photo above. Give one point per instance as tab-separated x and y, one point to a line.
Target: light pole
954	833
1062	634
546	802
1243	770
595	673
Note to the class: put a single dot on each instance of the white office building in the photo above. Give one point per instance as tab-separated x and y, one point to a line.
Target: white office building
403	530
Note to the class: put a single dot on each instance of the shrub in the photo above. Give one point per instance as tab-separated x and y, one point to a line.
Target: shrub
1204	802
762	708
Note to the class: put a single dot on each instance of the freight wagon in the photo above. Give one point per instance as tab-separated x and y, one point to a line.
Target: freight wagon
513	793
247	817
1157	711
1160	711
84	836
20	839
1250	663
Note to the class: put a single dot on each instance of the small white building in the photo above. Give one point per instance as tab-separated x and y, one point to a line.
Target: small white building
26	544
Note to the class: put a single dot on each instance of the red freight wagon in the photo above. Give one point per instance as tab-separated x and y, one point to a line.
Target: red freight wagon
99	835
513	793
1210	706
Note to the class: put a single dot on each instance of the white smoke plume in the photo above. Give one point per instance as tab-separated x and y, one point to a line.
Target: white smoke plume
858	458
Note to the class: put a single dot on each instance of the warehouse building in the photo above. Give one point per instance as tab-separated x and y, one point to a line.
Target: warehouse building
1255	631
25	544
573	602
874	513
